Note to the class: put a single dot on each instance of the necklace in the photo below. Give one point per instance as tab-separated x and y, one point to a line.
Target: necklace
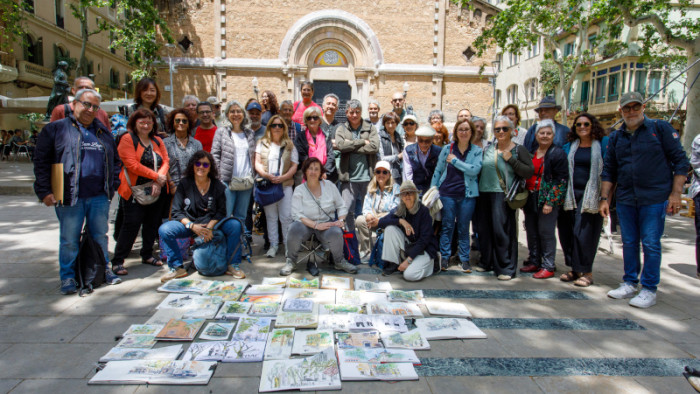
204	190
183	141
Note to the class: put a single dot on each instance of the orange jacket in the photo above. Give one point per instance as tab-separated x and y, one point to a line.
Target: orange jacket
132	162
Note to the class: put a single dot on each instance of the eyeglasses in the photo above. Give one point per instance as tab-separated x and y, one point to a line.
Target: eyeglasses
636	107
144	122
90	106
397	100
182	121
409	123
464	130
202	164
501	129
276	126
406	194
381	172
204	112
584	124
313	117
425	140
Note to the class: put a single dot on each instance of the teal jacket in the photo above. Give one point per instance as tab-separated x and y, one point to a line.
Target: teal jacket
470	167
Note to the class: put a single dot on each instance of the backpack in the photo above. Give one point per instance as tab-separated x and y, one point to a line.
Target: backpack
210	257
90	265
375	258
118	123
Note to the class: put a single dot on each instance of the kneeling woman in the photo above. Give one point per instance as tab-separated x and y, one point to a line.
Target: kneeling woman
314	207
409	244
198	205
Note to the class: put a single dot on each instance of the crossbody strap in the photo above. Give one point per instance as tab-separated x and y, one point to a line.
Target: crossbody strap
316	201
155	166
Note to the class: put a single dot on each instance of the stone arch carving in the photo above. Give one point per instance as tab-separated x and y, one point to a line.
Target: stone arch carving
323	28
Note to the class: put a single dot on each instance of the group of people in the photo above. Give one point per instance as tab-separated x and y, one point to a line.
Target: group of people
12	141
196	171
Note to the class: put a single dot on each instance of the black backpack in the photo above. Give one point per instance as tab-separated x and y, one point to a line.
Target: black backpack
90	265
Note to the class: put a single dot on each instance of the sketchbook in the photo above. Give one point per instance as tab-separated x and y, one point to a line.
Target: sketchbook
353	297
302	283
137	342
264	289
381	323
339	309
410	340
318	296
186	285
312	341
206	351
382	355
155	372
297	319
368	339
337	323
447	308
448	328
163	353
367	371
163	316
228	291
317	372
366	285
264	309
234	310
252	329
279	344
405	309
180	330
143	329
298	305
337	282
261	298
217	331
415	296
204	307
276	281
244	352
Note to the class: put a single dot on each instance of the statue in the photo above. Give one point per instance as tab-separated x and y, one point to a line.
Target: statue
60	91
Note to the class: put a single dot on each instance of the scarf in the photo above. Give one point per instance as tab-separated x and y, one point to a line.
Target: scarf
317	149
591	195
401	210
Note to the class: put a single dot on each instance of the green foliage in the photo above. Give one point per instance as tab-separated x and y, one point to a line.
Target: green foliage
11	24
32	118
550	79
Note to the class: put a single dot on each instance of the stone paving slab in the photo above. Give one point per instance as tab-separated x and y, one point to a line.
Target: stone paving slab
481	384
8	384
49	360
30	329
67	386
590	384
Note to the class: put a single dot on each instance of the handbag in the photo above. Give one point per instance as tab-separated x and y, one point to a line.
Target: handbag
266	192
241	183
90	264
516	195
143	193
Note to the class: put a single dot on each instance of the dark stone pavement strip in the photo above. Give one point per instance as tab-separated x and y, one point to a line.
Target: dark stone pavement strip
554	366
507	294
556	324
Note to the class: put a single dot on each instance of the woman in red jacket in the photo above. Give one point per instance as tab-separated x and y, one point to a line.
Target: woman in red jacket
146	165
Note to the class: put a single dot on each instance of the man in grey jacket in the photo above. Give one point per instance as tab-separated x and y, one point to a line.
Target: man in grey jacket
358	143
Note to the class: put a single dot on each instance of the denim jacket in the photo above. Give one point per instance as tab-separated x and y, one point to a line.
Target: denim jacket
470	167
381	201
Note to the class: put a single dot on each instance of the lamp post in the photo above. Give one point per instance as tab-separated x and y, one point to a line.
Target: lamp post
495	64
170	71
255	88
406	107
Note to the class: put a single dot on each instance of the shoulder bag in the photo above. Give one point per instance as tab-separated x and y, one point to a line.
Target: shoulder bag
516	195
143	193
266	192
241	183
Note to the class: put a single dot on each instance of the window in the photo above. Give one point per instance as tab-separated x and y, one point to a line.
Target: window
469	53
534	49
28	5
513	59
60	53
113	79
585	86
34	51
512	94
654	82
613	87
569	49
600	89
499	59
59	12
592	41
640	84
111	40
531	89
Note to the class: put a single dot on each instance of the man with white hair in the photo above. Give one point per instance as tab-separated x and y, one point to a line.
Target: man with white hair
91	167
420	159
62	111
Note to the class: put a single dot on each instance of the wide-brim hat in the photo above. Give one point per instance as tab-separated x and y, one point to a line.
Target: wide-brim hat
425	131
408	187
548	102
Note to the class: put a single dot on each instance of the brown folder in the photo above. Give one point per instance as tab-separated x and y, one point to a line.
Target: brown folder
57	182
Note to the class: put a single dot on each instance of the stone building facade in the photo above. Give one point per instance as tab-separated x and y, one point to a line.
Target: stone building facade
355	48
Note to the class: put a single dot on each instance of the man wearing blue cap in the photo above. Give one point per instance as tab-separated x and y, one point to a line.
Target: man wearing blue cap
254	110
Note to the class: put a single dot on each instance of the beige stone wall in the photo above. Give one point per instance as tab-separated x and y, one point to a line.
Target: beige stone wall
473	93
461	29
200	22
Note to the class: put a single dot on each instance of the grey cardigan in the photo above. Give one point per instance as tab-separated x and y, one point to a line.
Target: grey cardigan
223	150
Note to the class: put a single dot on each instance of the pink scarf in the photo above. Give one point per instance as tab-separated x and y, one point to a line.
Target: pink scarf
317	149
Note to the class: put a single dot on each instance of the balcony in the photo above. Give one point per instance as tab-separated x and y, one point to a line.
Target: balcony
35	74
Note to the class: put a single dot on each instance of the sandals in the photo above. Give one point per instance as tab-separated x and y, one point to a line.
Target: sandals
569	276
152	261
584	281
119	270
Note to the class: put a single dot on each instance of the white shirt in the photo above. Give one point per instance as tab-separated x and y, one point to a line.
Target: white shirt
306	205
273	157
242	166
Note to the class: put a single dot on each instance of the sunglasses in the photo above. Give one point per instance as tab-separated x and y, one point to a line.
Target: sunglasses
396	100
382	172
182	121
584	124
409	123
501	129
635	108
276	126
204	112
202	164
313	117
425	140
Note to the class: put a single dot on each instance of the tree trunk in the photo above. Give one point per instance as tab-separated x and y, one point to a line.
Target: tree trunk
563	96
82	61
692	102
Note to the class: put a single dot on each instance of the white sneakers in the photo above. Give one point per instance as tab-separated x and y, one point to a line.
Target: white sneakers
645	299
272	252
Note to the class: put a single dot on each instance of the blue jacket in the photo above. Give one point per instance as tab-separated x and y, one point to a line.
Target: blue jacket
560	135
59	142
422	240
470	167
643	164
422	176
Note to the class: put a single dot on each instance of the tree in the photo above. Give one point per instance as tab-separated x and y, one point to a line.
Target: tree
11	24
670	35
80	10
523	22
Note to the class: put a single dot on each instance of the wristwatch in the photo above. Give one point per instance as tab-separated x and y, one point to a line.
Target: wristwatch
188	225
603	199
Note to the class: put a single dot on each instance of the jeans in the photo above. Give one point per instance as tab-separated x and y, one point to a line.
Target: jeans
696	199
172	230
460	210
646	224
350	191
94	211
237	202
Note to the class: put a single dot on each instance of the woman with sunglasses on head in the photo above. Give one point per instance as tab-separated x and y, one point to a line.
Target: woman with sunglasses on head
313	142
382	196
547	188
145	161
498	233
391	145
199	209
455	177
276	160
580	234
307	95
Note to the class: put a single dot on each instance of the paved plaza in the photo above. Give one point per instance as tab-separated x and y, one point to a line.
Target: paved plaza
543	335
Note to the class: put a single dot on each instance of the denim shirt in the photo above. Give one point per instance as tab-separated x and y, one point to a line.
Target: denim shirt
381	201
